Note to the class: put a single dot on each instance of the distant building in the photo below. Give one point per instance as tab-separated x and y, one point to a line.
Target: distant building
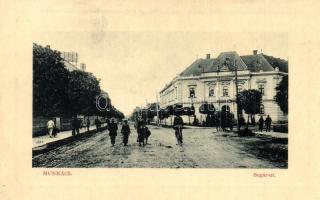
70	60
69	66
71	57
83	66
212	80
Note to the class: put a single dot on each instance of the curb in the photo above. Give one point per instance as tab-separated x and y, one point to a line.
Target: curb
52	145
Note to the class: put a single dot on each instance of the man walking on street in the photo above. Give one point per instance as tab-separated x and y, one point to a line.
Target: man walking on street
141	130
88	124
75	126
268	123
97	123
177	125
113	128
242	121
261	122
125	130
50	126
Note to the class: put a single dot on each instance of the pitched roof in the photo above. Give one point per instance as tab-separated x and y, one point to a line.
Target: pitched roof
256	63
277	62
224	62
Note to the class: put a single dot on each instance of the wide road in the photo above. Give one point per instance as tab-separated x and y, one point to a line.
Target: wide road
202	148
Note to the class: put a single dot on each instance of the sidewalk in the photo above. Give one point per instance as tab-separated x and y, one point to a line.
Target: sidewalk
272	134
45	139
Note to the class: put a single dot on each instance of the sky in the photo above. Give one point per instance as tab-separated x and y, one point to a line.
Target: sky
134	66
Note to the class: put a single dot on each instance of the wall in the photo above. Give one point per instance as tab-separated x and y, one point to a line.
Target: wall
201	84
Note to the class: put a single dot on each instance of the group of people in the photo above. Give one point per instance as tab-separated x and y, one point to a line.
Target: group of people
112	126
76	125
267	123
142	130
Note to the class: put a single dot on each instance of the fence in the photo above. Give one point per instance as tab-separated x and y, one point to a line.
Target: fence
39	125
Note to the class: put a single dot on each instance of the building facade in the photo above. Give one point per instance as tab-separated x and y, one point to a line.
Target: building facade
212	80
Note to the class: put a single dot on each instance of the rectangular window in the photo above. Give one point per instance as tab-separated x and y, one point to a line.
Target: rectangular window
192	93
211	92
225	91
262	109
261	89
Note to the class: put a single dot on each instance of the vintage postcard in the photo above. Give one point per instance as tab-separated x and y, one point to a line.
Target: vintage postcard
167	98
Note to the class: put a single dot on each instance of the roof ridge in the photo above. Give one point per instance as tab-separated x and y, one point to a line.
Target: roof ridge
274	57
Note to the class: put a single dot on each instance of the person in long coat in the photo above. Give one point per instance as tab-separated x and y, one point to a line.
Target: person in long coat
75	126
113	128
88	124
141	131
268	123
177	126
125	130
147	134
261	121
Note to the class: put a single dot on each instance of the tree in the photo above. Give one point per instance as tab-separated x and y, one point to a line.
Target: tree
209	110
169	113
250	102
50	78
178	109
83	89
282	94
189	111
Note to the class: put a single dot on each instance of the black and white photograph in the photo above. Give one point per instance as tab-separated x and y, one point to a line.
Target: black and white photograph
170	100
104	99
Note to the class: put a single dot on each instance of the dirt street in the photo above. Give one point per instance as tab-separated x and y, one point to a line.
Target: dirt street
202	148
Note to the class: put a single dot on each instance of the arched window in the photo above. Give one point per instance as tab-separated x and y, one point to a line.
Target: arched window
225	108
225	91
211	91
261	109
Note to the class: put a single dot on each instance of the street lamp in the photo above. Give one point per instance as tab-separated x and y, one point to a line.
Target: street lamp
236	82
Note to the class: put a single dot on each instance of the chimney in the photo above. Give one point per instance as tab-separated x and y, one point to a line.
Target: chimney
83	66
208	55
255	52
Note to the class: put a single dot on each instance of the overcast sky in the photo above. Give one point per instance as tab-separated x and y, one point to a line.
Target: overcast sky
132	66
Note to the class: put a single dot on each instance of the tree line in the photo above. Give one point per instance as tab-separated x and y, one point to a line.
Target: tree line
60	92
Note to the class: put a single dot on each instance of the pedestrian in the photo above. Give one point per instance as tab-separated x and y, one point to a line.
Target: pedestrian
177	126
141	131
55	129
261	122
125	130
97	123
50	126
113	128
217	122
147	133
75	126
203	123
253	122
88	124
268	123
242	121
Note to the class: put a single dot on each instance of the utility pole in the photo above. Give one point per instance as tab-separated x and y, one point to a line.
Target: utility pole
157	108
147	109
236	82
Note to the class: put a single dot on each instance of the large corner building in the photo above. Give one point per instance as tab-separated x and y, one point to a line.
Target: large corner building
212	80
